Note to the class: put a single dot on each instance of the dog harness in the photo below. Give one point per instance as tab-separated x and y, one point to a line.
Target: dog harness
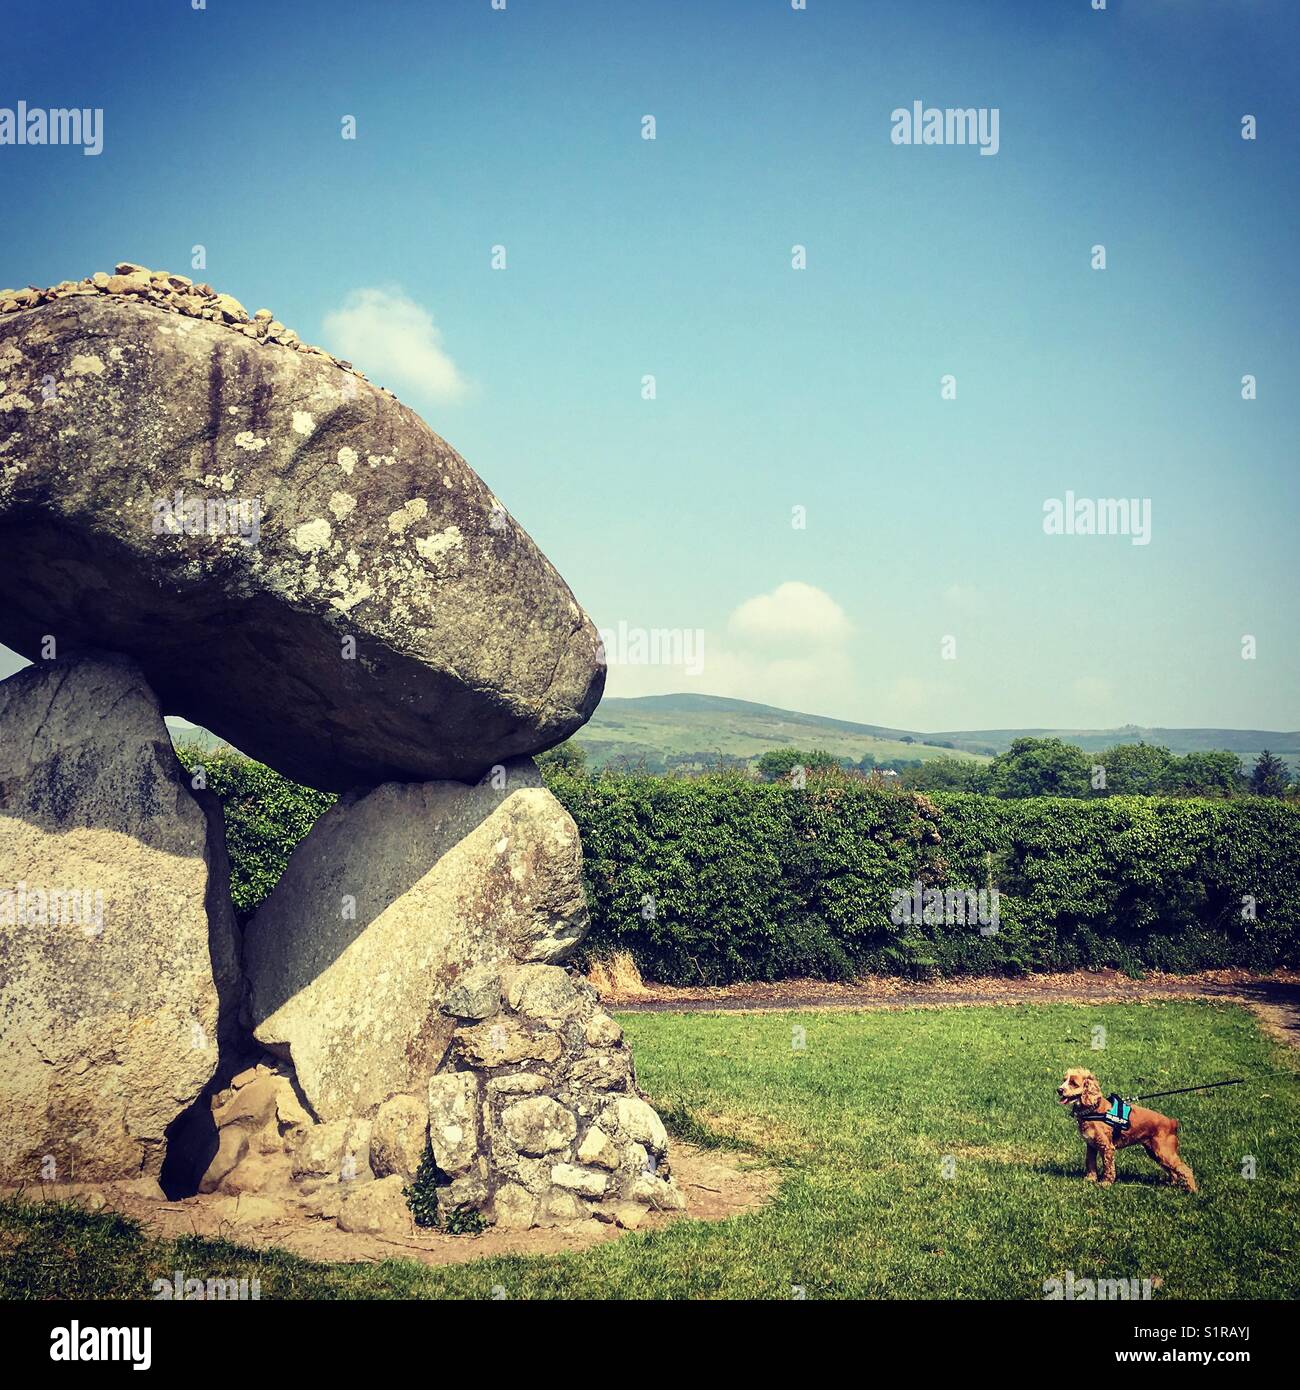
1118	1115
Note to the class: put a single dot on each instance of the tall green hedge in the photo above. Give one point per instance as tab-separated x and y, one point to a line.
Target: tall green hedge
749	881
721	878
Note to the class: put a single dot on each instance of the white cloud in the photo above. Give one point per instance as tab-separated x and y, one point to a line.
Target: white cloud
792	613
394	341
788	648
820	684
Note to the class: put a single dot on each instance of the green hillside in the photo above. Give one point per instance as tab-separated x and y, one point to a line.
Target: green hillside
182	731
701	727
655	727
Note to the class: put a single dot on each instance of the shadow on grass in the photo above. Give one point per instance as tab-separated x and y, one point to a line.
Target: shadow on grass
1154	1178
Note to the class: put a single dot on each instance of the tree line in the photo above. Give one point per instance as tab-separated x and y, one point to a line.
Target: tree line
1030	767
1052	767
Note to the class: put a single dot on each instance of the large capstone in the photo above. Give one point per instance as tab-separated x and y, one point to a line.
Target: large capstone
400	908
118	946
295	559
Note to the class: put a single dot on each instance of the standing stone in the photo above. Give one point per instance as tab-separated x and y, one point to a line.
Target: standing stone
118	946
365	608
388	902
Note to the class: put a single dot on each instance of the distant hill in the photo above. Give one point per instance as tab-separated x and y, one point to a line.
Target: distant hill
660	726
656	727
1248	743
184	732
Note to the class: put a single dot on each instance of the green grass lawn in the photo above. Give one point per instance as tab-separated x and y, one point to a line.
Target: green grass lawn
860	1121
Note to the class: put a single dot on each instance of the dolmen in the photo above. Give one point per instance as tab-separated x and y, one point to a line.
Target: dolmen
206	517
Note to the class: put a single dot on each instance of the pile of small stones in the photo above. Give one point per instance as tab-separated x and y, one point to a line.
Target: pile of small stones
174	294
535	1107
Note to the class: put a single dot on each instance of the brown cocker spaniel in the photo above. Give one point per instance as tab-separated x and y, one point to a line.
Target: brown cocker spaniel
1158	1134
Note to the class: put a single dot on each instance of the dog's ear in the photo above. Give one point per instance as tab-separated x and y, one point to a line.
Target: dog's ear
1091	1091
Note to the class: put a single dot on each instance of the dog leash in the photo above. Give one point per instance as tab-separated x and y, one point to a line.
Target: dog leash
1183	1090
1116	1115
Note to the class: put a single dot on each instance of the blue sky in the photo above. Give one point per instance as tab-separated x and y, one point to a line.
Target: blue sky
775	388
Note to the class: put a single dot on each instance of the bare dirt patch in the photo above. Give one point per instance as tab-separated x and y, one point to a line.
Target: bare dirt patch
716	1184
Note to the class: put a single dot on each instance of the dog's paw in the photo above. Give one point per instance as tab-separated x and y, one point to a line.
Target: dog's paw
1090	1177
